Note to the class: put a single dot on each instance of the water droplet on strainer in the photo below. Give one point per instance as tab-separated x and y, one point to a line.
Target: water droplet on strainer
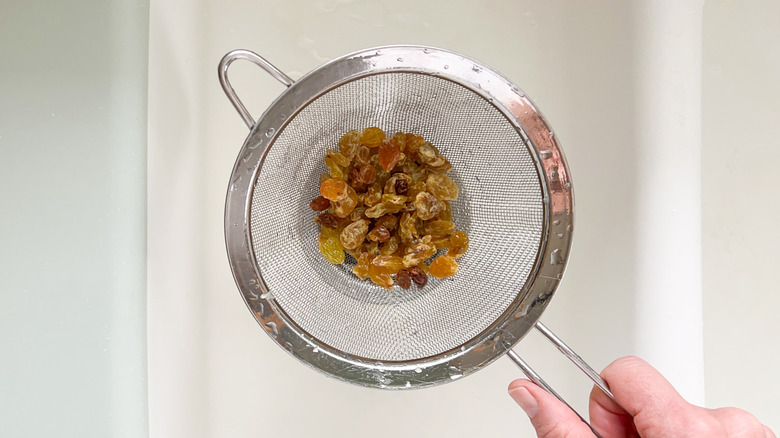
267	296
272	326
418	370
400	60
555	257
270	132
545	154
560	235
426	50
408	384
316	350
283	116
557	222
446	67
476	69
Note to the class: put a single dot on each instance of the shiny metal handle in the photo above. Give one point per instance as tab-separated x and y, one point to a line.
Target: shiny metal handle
574	357
536	378
231	93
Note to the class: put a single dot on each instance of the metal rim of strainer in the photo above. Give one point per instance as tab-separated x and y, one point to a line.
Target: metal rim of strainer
519	110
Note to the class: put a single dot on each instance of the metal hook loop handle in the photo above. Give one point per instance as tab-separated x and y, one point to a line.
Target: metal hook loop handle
574	357
258	60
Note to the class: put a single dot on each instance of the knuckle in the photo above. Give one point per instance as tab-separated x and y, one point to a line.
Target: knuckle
738	421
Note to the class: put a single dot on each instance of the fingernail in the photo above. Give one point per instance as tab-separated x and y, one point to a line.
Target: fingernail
522	397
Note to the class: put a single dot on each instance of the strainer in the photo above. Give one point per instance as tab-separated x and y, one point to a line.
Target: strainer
515	204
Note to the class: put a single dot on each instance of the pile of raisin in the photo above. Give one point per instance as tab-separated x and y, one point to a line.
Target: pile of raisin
385	201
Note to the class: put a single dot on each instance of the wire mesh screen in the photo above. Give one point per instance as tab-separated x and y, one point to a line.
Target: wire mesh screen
500	208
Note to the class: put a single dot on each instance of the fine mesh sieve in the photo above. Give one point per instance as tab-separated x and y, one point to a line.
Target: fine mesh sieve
515	204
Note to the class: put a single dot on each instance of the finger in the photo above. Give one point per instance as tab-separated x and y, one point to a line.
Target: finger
738	423
647	396
549	416
609	419
769	433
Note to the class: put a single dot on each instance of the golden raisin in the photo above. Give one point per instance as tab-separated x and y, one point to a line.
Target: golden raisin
379	234
427	206
361	268
334	189
418	252
389	155
439	228
353	234
391	263
319	203
388	221
349	144
373	195
446	211
390	247
363	155
334	169
459	243
442	187
441	242
357	214
380	276
372	137
407	228
383	209
430	156
443	266
330	246
344	207
338	157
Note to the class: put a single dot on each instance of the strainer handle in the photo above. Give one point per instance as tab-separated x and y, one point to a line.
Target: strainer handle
231	93
574	357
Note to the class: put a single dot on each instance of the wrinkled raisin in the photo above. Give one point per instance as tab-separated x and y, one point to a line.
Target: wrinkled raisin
353	234
382	209
389	155
379	234
418	252
334	189
328	220
439	228
349	144
443	266
388	221
391	263
373	195
419	277
372	137
319	203
361	268
344	207
427	206
442	187
403	278
380	276
363	155
338	157
390	247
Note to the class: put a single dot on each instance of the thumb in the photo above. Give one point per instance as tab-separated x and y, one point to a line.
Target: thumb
549	416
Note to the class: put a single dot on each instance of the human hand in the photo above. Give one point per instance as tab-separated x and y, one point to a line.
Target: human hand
651	408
